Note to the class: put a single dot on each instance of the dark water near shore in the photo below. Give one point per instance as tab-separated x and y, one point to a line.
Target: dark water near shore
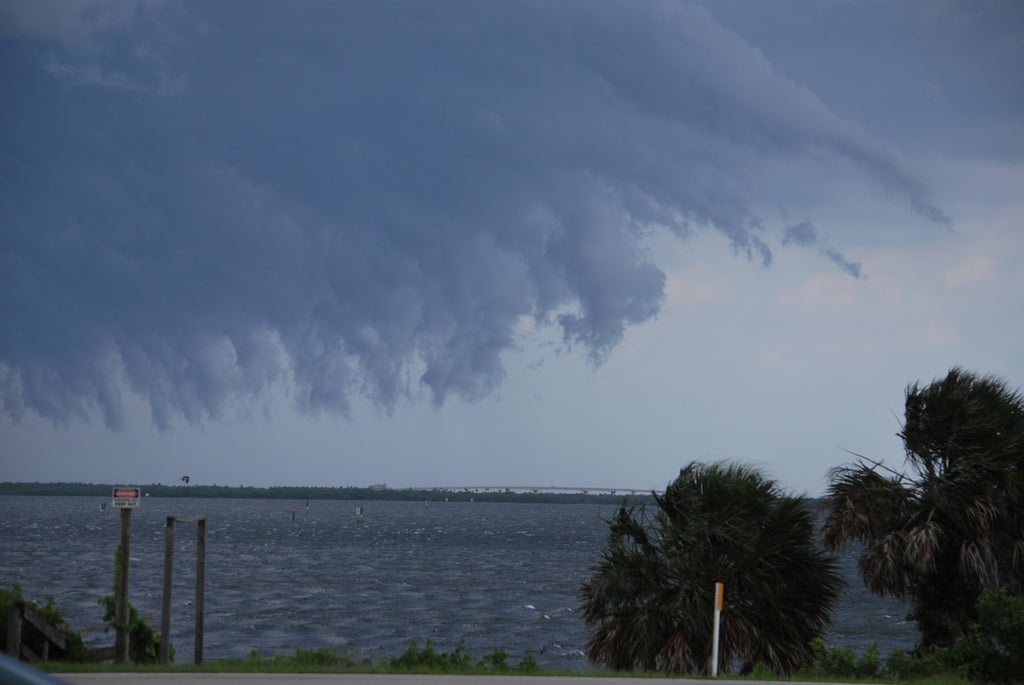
495	575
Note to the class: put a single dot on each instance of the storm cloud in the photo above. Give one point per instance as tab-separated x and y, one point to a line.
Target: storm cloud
805	234
205	201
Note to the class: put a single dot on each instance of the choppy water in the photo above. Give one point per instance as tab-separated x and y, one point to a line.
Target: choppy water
494	575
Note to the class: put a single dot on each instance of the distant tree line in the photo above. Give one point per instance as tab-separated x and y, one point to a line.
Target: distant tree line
318	493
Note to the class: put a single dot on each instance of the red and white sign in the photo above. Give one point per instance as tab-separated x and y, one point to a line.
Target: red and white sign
126	498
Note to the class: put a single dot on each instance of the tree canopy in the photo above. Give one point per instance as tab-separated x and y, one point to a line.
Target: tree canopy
649	603
952	524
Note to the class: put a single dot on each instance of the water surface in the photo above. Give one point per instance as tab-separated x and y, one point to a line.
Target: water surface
496	575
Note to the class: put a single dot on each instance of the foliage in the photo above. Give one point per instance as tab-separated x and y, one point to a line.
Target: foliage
144	642
843	663
496	661
992	649
429	660
761	672
303	493
333	660
30	636
955	525
323	657
649	603
529	664
326	657
902	666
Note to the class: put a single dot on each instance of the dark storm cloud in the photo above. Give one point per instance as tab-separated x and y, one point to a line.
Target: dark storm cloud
804	234
833	255
204	200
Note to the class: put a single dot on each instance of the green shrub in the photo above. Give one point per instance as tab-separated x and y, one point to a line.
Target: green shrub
496	661
992	650
31	637
843	663
324	657
430	660
529	664
903	666
144	642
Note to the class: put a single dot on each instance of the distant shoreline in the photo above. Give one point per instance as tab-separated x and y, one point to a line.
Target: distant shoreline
320	493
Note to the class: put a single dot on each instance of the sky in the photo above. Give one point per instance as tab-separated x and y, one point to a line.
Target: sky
454	243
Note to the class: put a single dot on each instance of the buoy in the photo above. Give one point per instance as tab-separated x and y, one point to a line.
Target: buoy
293	513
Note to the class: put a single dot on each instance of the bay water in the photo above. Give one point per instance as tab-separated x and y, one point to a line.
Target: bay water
284	574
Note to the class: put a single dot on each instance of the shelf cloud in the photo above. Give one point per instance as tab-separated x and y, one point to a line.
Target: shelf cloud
204	202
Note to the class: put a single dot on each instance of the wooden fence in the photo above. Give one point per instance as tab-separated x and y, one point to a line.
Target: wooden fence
21	614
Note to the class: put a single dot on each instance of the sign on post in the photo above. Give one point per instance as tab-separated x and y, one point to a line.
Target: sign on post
126	498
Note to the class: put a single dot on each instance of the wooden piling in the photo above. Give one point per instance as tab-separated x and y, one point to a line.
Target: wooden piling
14	631
200	587
121	636
165	615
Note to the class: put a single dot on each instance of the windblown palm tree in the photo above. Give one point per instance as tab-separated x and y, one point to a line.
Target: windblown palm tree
649	604
955	524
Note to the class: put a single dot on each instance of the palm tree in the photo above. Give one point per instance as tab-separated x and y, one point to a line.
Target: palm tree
649	603
953	525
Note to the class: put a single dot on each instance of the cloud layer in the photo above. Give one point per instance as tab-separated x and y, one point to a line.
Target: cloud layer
203	202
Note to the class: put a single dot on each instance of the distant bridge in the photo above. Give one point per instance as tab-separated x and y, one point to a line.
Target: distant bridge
537	489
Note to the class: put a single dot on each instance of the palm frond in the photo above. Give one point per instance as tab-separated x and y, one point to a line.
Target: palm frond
882	566
923	543
981	515
977	563
863	505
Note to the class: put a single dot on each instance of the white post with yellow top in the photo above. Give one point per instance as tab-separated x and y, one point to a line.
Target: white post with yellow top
719	595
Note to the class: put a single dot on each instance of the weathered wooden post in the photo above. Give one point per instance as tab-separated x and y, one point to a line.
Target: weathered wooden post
165	620
14	630
165	615
125	499
200	586
121	636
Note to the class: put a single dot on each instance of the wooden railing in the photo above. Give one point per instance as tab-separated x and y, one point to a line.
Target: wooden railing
20	614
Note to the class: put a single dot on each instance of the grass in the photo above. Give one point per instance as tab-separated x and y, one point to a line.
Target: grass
427	661
831	665
413	660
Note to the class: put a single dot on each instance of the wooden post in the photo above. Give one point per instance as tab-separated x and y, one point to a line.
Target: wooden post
200	586
165	615
121	636
14	630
